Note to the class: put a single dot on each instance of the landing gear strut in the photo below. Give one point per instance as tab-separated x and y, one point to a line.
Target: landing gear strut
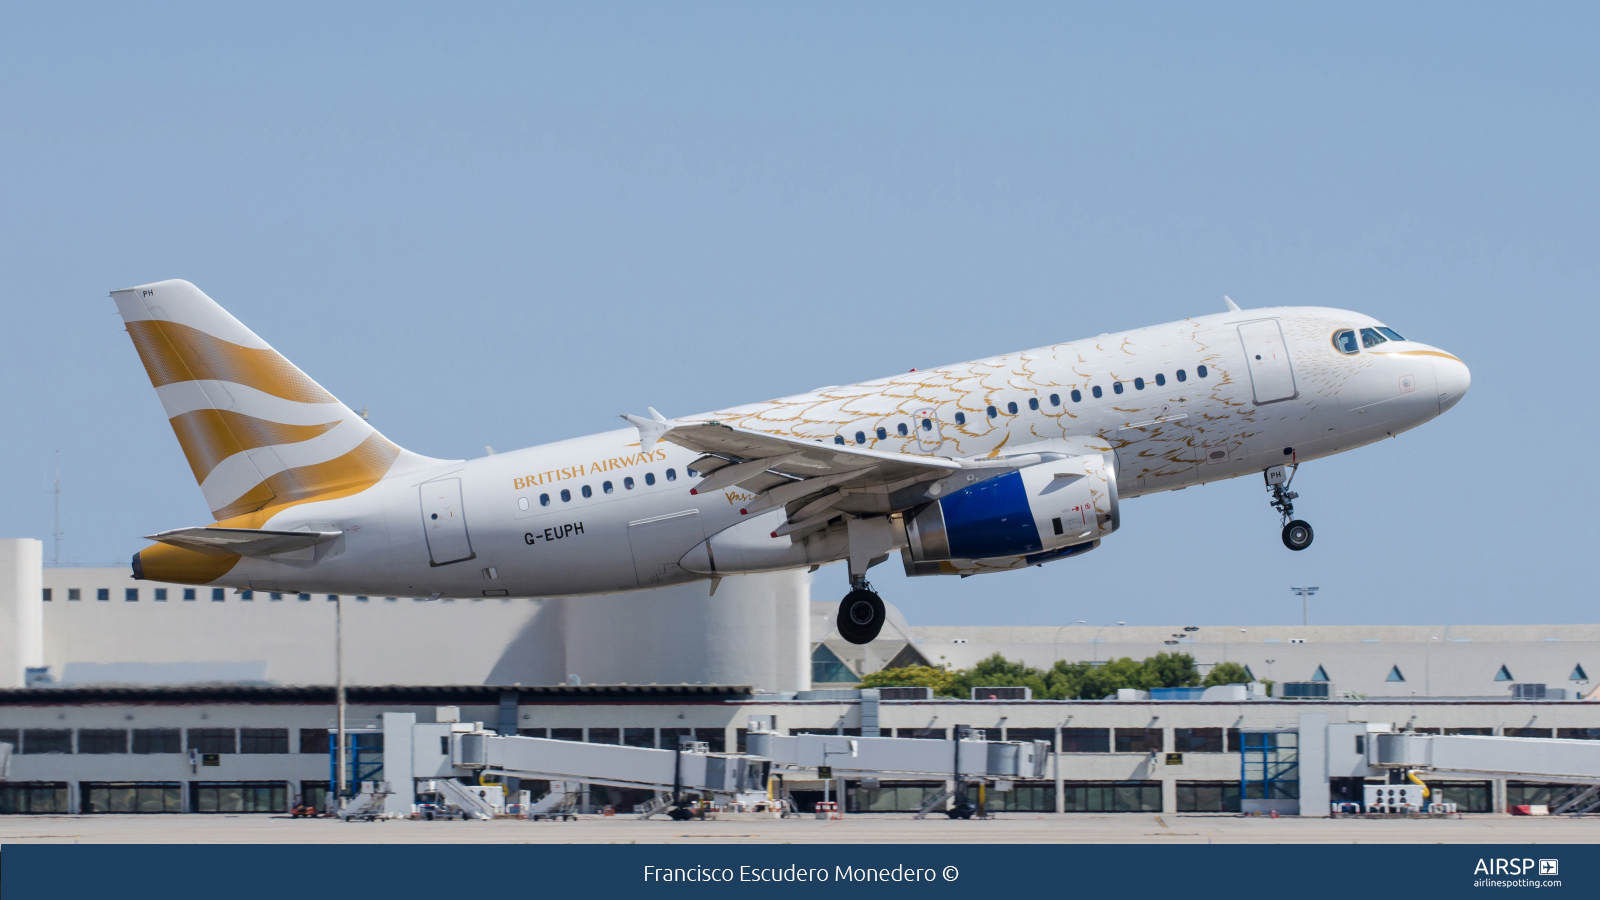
1297	533
861	613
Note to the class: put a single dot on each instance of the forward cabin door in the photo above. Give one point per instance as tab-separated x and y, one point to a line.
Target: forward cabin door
444	522
1266	353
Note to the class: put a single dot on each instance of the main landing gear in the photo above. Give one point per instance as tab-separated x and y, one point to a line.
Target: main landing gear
861	613
1297	533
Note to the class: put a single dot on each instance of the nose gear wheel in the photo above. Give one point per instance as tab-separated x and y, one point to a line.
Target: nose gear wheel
1297	533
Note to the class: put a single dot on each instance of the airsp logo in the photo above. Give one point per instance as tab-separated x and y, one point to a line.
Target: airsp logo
1549	867
1515	867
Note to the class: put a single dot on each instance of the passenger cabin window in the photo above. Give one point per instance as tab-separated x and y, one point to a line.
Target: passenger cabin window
522	503
927	424
961	418
993	412
1200	370
838	439
1138	384
903	429
606	487
544	499
1160	379
1097	392
627	483
883	433
1055	399
650	477
1077	396
1011	408
672	475
1345	342
861	437
1182	375
566	495
1390	333
1371	338
587	493
1116	386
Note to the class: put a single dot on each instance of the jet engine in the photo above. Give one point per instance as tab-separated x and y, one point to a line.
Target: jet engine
1037	514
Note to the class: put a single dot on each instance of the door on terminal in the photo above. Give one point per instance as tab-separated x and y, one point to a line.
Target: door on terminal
444	522
1267	356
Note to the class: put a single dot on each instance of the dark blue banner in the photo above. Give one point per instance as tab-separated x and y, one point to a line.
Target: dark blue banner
1302	871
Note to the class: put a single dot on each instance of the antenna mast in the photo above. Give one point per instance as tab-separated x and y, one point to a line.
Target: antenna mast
55	531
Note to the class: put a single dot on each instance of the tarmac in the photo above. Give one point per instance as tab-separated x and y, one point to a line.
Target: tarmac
1015	828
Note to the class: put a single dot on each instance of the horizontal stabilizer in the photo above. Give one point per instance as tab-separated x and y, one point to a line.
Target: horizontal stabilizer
242	541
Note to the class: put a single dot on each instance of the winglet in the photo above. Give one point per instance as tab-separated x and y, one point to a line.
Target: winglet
650	430
1232	306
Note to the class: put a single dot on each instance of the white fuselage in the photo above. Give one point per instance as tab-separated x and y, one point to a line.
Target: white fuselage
571	517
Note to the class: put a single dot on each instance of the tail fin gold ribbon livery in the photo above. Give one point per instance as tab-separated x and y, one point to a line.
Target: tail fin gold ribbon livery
258	433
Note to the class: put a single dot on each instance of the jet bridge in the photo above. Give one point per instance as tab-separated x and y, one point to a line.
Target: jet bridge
435	751
1548	759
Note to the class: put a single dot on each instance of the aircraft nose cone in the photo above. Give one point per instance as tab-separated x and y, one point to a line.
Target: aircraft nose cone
1453	378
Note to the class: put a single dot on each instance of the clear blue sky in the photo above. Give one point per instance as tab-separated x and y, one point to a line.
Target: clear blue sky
507	224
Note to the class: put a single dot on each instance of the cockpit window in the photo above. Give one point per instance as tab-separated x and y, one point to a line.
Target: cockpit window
1345	341
1371	338
1390	333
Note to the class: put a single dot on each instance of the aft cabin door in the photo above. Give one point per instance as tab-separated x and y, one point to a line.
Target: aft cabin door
1267	355
444	523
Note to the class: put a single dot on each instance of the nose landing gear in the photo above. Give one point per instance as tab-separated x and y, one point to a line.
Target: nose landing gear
1297	533
861	613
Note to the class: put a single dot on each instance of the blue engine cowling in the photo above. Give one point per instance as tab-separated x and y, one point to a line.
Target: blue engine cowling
1036	514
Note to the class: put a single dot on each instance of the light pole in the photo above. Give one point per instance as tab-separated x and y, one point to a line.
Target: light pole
1058	638
1096	640
338	653
1305	606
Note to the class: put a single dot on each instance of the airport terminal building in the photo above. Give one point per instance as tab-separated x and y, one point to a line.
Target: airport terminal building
124	696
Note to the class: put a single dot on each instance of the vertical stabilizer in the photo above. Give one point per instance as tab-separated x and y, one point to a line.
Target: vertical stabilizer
257	431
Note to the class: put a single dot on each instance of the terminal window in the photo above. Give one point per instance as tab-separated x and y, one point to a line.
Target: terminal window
1024	796
157	740
102	740
132	797
314	740
1085	740
74	594
1270	767
46	740
936	734
639	737
538	733
1138	740
213	740
566	734
605	735
102	594
239	796
218	595
264	740
34	798
1197	740
1114	796
1208	796
1033	734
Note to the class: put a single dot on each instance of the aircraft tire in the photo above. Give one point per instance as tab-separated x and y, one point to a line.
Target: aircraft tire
1297	535
861	616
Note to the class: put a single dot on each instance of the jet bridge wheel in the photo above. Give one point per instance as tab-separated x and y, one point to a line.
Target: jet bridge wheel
861	616
1297	535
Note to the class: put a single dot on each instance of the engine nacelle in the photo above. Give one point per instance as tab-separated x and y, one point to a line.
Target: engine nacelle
1041	513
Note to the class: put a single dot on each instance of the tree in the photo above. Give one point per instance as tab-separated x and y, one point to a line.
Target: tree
942	681
997	671
1170	670
1227	673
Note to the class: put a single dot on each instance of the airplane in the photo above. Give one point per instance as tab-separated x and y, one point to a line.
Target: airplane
967	469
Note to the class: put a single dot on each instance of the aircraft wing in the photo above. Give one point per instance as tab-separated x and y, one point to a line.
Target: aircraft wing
782	470
242	541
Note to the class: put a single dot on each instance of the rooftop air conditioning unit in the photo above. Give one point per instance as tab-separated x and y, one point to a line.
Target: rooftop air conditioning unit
905	693
1002	693
1306	690
1527	692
